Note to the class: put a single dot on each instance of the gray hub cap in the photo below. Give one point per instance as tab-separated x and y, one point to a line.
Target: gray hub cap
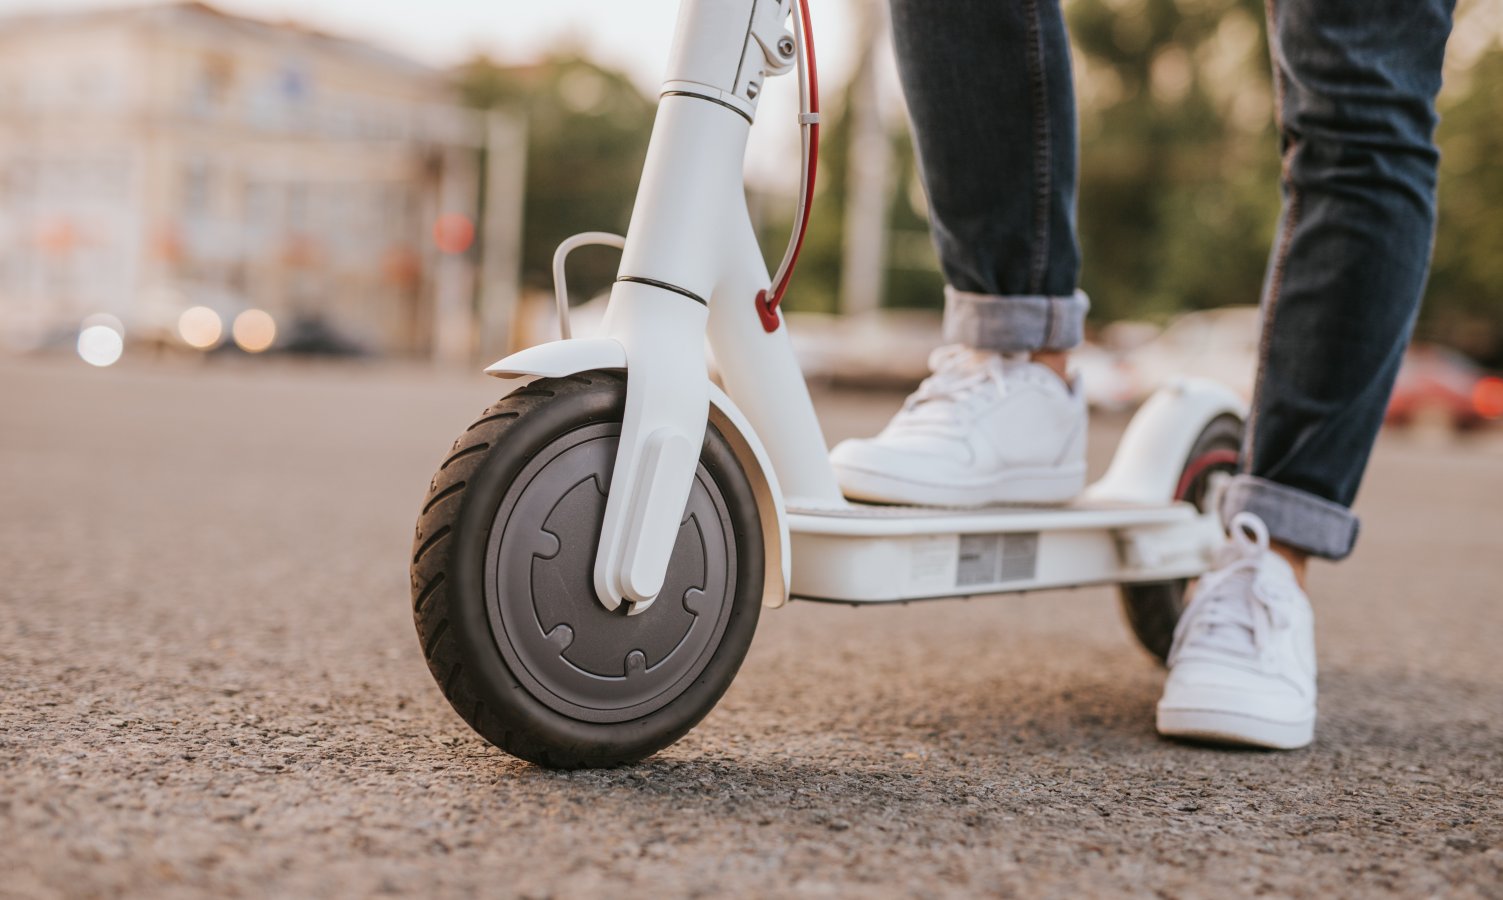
570	652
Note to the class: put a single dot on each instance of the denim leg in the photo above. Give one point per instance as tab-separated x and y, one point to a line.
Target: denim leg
1356	82
993	107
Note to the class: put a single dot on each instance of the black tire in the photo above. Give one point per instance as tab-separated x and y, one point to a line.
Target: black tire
1152	609
504	669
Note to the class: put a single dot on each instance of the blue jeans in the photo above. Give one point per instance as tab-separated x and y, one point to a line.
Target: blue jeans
993	108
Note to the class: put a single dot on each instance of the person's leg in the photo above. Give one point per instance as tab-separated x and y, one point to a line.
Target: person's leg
1356	83
993	110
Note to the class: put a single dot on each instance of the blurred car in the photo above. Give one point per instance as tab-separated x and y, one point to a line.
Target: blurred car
1439	385
1219	344
313	334
881	349
1105	376
1434	384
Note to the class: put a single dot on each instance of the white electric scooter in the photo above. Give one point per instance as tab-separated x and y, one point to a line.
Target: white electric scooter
593	554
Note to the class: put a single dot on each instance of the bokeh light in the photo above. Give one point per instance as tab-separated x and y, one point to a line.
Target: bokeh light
200	327
100	345
254	330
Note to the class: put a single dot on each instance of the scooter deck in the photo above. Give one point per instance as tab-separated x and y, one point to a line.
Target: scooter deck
861	553
867	519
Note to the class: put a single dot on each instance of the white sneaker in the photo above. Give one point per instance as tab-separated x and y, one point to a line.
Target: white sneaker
1242	668
983	429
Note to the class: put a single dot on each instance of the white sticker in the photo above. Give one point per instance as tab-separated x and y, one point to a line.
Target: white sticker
978	560
983	559
1020	557
931	564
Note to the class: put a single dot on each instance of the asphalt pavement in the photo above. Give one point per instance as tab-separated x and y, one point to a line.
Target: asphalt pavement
210	685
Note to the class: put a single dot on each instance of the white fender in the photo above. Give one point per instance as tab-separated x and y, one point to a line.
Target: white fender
1147	465
558	359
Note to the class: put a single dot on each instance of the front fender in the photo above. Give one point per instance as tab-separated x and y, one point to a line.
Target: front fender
558	359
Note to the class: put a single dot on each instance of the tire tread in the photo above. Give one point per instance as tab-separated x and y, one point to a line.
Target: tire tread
432	587
430	562
1153	609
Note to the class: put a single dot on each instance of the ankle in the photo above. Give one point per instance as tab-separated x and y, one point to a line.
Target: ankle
1298	560
1056	361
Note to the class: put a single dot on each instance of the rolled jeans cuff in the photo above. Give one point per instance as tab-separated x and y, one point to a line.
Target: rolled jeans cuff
1016	323
1294	517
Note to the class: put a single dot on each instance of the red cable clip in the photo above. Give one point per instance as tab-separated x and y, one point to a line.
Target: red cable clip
767	312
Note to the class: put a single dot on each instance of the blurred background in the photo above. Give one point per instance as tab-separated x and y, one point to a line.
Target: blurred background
265	178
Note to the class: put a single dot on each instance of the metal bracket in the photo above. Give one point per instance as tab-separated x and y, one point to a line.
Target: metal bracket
771	48
561	256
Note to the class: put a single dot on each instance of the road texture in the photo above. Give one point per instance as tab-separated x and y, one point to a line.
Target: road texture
211	686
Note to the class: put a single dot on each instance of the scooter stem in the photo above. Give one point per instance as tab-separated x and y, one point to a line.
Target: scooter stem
684	231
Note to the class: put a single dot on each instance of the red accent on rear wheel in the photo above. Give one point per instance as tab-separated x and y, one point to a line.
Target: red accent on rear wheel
1198	467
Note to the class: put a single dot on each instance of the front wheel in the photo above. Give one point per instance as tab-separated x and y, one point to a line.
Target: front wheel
503	588
1152	609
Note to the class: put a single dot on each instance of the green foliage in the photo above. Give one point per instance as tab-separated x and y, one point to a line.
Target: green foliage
913	275
1179	173
1179	164
912	278
587	131
1179	167
1464	306
816	286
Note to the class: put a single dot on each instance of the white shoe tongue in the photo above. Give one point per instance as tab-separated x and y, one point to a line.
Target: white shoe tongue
1228	625
1228	637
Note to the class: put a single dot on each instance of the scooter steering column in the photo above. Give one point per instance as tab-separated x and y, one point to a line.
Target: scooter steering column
683	228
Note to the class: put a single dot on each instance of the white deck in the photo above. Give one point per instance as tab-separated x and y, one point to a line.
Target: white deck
868	520
859	553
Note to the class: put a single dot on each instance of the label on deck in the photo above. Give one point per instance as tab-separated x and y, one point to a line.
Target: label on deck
931	564
983	559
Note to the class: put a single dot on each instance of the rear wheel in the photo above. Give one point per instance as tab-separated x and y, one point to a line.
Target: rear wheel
1153	609
503	587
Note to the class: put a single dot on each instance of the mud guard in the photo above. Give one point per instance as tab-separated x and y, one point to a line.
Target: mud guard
558	359
1147	465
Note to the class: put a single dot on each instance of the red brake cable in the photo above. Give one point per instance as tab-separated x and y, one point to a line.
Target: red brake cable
767	305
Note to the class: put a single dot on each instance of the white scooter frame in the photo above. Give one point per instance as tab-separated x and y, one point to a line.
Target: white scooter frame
691	269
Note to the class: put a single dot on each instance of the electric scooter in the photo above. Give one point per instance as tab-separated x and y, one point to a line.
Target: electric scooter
594	553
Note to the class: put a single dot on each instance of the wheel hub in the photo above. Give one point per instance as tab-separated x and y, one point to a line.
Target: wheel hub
570	652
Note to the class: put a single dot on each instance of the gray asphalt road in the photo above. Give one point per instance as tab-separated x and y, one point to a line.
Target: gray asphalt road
211	685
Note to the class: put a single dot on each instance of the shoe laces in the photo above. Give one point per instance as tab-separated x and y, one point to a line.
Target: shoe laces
962	378
1234	611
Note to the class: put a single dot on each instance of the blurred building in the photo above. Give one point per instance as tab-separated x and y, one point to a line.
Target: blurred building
157	158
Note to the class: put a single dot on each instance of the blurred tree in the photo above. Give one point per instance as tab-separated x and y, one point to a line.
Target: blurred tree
816	286
586	140
1464	306
912	278
913	275
1179	162
1179	172
1178	158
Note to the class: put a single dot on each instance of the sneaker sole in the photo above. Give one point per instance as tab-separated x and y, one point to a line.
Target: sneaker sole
1053	485
1218	727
